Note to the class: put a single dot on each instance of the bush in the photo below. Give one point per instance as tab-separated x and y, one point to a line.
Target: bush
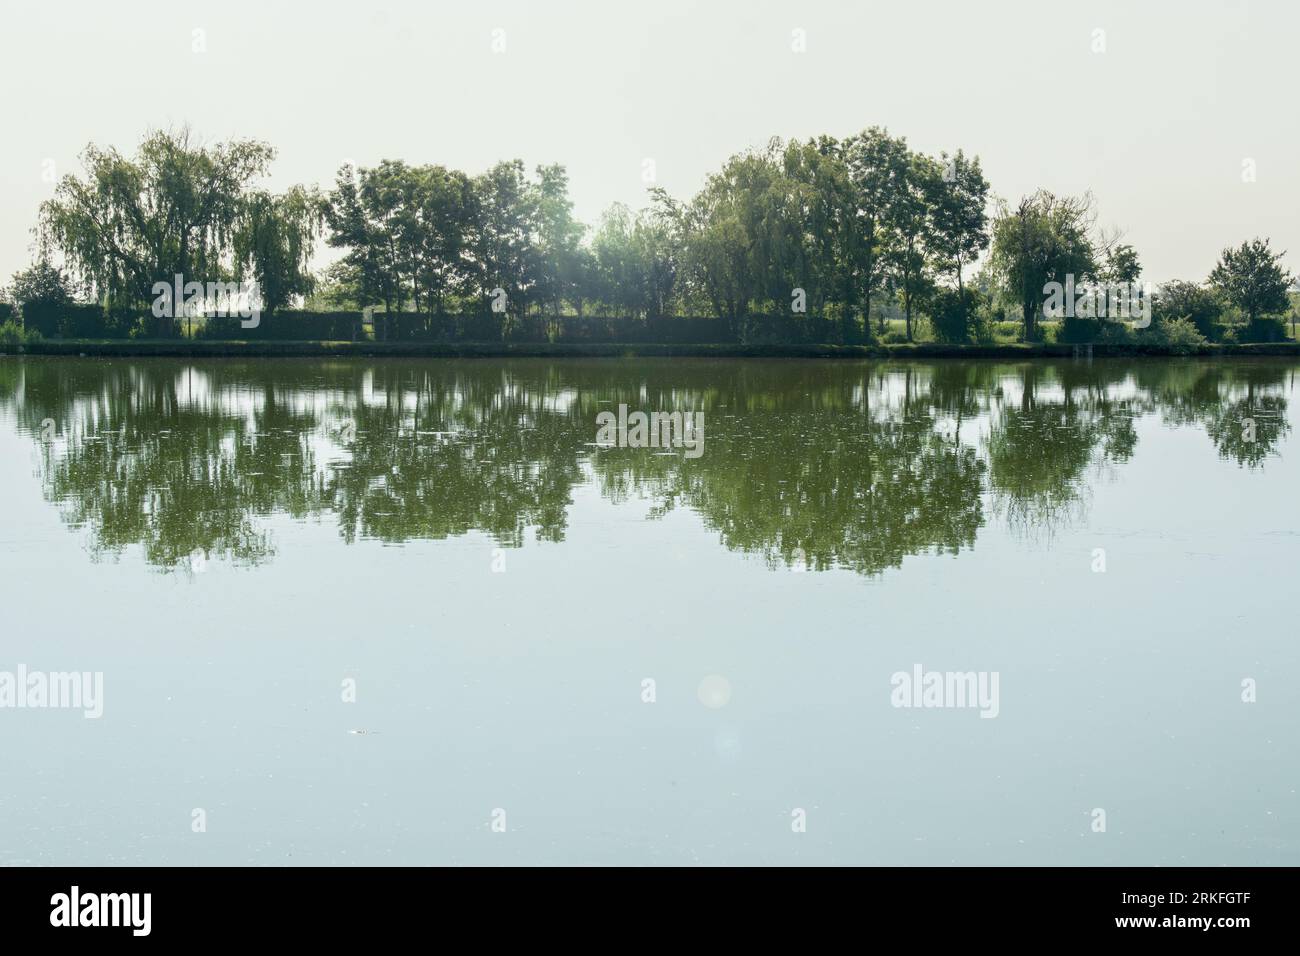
1264	329
894	337
1189	300
1180	336
11	333
1004	330
1076	331
1115	333
958	317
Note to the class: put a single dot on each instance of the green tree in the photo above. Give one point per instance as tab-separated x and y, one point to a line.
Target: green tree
1044	239
959	220
829	246
561	262
1252	279
448	210
275	241
356	277
41	283
1188	300
877	163
504	244
908	212
729	245
173	209
1122	265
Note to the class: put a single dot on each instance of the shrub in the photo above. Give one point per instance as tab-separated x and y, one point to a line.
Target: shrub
958	317
1114	333
11	333
1267	328
1076	331
1188	300
1004	330
1180	336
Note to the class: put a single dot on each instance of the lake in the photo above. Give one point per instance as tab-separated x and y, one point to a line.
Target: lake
649	612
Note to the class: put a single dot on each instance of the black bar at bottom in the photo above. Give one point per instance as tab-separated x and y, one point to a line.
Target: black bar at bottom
334	906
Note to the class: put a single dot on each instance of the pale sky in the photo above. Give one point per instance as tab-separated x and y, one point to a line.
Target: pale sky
1158	125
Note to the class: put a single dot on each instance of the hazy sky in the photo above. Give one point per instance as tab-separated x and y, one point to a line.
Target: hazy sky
1158	125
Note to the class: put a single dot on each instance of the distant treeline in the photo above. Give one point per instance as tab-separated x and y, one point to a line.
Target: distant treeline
823	239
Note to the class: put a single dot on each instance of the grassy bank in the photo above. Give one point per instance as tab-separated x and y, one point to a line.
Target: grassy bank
192	348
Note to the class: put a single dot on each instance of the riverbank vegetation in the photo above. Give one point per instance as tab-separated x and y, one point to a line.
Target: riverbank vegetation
849	241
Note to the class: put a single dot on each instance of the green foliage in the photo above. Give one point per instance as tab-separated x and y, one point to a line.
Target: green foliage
41	283
1251	278
831	224
1044	239
426	237
1179	336
11	333
286	325
1122	265
274	241
959	316
173	209
1265	328
821	239
180	208
634	269
958	213
1191	301
1005	331
1076	331
89	321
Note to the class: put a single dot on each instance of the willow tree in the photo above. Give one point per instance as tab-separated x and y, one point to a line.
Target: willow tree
275	240
174	208
1044	239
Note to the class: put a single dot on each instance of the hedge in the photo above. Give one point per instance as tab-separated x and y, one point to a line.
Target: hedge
288	325
79	321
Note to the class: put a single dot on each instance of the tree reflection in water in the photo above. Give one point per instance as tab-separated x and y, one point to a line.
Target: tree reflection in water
824	464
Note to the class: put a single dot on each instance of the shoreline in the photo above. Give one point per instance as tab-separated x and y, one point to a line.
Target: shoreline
93	348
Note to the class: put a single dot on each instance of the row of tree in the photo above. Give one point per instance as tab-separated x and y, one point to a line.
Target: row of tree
851	231
818	228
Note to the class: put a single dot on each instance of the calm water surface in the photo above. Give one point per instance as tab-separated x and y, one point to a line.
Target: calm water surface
631	655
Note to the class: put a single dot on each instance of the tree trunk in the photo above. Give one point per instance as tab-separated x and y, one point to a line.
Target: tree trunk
961	303
907	308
